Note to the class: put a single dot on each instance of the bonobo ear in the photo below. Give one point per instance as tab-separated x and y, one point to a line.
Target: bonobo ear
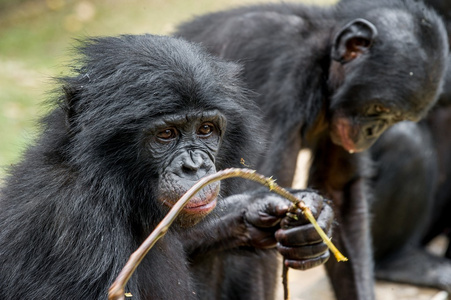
352	40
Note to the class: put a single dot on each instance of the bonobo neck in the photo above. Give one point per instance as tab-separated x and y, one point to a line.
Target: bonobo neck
319	86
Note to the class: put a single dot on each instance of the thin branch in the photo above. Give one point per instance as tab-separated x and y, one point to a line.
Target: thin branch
286	290
116	291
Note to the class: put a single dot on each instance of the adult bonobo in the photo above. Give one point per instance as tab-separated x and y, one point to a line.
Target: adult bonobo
332	79
411	201
142	119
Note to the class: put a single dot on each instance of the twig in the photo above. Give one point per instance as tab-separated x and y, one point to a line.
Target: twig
116	291
286	290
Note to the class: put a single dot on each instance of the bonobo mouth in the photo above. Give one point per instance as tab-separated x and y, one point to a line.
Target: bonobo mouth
202	203
341	133
355	137
201	208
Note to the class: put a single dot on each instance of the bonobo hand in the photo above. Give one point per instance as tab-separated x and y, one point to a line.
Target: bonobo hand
294	236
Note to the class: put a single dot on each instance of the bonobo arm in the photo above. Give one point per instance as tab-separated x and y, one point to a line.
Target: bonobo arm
260	220
342	177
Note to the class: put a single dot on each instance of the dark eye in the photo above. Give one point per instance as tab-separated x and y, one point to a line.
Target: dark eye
380	109
167	134
206	129
377	110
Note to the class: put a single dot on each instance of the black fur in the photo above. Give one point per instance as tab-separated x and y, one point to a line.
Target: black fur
83	197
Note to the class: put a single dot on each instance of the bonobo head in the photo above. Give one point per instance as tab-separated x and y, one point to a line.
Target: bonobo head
148	116
387	66
185	146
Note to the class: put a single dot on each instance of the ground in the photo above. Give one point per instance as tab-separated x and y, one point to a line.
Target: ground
314	285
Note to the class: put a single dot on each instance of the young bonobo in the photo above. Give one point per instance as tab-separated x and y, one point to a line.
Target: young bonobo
141	120
332	79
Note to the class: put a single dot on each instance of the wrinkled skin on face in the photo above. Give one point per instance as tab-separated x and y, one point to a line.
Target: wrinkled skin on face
186	146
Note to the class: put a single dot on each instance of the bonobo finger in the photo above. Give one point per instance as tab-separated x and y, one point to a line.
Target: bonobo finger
326	214
267	211
294	219
304	252
261	239
305	234
311	199
307	263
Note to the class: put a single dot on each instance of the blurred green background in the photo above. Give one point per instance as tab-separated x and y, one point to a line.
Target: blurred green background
35	41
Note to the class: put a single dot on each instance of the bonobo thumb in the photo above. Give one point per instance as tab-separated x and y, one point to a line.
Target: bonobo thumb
267	211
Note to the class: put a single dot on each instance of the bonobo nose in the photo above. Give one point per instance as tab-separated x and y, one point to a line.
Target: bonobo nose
373	130
193	161
192	165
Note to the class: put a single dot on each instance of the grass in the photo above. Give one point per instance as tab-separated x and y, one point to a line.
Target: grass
35	37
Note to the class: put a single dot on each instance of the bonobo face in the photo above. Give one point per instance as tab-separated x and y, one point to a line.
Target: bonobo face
185	146
385	70
357	132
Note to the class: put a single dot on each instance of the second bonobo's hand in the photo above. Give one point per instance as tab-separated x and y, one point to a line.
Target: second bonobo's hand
295	237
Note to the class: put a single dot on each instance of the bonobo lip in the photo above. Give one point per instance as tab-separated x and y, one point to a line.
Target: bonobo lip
341	135
346	142
201	208
202	203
